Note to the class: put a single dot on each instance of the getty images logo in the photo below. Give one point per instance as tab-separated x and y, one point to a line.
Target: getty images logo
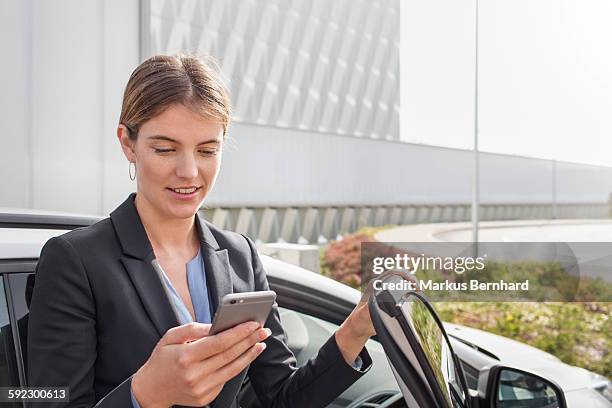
412	264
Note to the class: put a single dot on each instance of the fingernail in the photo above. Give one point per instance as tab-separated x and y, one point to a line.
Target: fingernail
268	331
262	334
262	347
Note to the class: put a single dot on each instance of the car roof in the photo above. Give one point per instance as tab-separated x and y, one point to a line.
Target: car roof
28	218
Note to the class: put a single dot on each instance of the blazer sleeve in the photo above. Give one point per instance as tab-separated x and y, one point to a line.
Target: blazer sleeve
274	374
62	330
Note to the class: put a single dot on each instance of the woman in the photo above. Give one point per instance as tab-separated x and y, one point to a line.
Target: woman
105	324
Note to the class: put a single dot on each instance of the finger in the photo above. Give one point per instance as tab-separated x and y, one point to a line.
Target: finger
186	332
234	368
224	358
208	346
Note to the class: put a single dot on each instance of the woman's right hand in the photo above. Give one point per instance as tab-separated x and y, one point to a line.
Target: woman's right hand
188	367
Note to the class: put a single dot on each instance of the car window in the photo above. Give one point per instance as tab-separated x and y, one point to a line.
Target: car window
471	375
9	375
437	351
22	286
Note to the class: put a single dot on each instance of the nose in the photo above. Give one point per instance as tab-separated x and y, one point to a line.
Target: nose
187	167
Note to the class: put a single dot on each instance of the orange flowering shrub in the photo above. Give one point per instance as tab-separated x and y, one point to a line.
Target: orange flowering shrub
342	259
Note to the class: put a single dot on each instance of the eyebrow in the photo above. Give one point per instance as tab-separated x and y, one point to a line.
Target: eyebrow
169	139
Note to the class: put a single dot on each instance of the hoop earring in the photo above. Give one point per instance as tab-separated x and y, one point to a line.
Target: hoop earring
130	171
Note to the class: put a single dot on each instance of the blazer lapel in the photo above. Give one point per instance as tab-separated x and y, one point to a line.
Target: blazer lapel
216	265
137	262
152	293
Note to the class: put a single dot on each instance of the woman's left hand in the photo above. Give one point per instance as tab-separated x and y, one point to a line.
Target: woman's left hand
360	321
355	331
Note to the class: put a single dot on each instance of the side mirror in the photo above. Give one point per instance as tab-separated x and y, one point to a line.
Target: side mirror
506	387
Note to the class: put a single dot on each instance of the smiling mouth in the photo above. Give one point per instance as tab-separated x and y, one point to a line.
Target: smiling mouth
186	191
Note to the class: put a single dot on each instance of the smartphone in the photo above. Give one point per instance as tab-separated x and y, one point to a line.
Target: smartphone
236	308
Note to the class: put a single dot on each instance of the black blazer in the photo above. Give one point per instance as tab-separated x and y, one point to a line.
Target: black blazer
98	310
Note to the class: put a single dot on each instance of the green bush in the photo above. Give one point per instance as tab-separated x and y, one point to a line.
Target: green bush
341	260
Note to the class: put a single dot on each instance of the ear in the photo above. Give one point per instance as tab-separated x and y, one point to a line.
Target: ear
127	145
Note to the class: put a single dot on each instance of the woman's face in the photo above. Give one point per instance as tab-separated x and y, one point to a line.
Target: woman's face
177	156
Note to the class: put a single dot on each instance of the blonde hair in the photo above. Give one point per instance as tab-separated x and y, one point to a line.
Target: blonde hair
164	80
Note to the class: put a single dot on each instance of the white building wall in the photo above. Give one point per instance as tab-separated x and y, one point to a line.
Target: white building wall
313	65
66	63
278	167
15	73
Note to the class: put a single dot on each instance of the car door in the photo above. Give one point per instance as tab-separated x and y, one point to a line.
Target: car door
309	317
13	326
427	369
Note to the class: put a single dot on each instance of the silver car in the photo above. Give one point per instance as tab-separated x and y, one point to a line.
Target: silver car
417	360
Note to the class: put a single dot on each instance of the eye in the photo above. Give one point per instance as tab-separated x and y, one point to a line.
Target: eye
209	152
161	151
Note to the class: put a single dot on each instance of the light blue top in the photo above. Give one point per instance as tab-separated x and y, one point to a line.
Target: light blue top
196	280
